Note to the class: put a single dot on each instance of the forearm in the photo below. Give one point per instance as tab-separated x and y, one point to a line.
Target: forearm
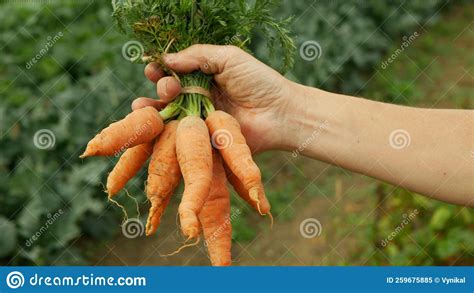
425	150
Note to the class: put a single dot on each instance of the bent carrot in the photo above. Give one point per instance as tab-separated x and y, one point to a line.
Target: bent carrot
215	216
194	152
237	155
136	128
243	193
128	165
163	175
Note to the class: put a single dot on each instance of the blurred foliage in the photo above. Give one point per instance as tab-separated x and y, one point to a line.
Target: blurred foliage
353	37
83	82
440	233
80	84
434	233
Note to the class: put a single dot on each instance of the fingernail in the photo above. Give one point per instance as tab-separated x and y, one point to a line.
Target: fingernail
169	58
166	87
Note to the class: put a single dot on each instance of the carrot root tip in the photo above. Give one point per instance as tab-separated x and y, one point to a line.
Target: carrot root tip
253	193
150	230
85	154
271	219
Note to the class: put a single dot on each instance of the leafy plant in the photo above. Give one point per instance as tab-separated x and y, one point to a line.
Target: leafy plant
170	26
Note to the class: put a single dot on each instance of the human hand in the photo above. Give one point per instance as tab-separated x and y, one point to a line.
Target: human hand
255	94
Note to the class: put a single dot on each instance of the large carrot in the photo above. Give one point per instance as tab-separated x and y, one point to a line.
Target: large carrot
163	175
228	138
129	164
136	128
243	193
215	216
194	152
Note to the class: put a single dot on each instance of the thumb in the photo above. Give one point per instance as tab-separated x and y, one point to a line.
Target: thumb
210	59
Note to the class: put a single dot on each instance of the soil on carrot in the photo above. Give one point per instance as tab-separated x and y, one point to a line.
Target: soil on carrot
438	68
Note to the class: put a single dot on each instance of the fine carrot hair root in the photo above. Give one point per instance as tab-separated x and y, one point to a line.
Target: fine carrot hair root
215	216
137	206
128	166
164	175
237	155
196	242
138	127
194	152
121	207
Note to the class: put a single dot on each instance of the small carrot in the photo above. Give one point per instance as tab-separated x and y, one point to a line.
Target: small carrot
163	175
194	152
128	165
236	154
243	193
136	128
215	216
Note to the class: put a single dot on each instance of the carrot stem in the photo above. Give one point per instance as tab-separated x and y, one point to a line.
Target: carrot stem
194	102
172	109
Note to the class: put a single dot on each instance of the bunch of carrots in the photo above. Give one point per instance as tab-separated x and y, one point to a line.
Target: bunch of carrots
177	140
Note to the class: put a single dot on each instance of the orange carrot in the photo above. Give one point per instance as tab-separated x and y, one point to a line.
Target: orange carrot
163	175
215	216
129	164
236	154
194	152
242	192
136	128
